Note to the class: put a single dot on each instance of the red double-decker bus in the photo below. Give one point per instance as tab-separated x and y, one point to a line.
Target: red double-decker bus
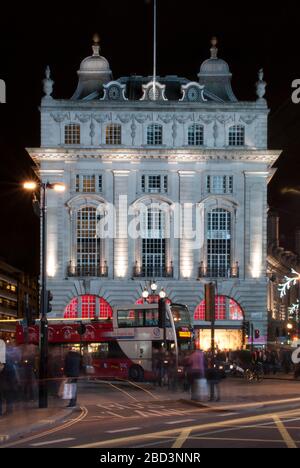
121	347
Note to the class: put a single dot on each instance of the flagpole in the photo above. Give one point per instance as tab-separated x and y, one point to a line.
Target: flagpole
154	49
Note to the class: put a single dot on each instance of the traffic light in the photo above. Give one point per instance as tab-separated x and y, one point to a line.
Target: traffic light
81	329
209	292
256	334
162	313
246	328
49	299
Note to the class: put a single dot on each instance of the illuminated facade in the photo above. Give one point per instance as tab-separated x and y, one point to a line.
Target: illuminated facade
185	157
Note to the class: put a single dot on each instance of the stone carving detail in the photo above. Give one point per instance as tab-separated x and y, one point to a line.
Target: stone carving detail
153	92
193	92
139	118
114	91
48	84
205	119
248	119
60	117
261	86
215	133
83	118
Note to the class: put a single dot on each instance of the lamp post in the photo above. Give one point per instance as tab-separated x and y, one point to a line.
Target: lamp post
43	365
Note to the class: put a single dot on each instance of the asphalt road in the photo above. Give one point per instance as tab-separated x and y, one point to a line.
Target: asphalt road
115	415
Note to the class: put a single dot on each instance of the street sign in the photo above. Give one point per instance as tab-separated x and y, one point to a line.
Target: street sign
2	352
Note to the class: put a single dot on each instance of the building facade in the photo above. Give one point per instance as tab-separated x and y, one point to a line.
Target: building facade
280	263
165	179
18	297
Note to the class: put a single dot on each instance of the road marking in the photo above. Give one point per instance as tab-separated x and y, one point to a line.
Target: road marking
123	391
179	422
227	414
124	430
83	414
182	438
173	432
57	441
116	415
284	433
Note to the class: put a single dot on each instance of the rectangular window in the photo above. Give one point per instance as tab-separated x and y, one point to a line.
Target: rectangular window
219	184
154	184
113	134
72	134
154	257
88	183
154	134
237	135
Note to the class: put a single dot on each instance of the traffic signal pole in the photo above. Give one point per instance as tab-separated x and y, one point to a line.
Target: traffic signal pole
43	368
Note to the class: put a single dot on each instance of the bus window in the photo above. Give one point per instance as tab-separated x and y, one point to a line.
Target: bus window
130	318
98	350
151	318
114	351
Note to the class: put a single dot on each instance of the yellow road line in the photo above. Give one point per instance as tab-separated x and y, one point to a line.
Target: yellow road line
123	391
175	431
284	433
83	414
228	439
181	439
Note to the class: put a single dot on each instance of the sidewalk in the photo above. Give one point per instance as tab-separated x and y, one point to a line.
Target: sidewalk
27	417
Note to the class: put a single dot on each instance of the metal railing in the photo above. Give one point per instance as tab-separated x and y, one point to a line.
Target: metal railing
153	271
88	270
219	272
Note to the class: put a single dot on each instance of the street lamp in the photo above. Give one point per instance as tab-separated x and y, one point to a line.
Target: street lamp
145	294
153	287
58	187
162	294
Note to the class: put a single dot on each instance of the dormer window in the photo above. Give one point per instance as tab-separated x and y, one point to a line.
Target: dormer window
72	134
237	135
113	134
154	134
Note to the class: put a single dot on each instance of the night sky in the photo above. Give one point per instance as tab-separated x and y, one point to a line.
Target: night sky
251	35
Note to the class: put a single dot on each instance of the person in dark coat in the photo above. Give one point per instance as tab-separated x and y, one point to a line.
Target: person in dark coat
213	376
8	384
72	371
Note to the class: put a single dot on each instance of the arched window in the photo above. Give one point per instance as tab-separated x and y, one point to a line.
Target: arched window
88	243
226	308
72	134
113	134
154	134
88	307
237	135
218	243
195	135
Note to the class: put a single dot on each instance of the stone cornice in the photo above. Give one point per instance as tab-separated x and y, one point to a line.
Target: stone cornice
160	154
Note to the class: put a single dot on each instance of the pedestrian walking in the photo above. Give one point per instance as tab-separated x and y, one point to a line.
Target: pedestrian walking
213	376
72	371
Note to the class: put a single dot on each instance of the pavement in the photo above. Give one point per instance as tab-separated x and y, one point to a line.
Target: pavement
28	418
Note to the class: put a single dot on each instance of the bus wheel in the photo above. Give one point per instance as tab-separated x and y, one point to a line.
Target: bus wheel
136	373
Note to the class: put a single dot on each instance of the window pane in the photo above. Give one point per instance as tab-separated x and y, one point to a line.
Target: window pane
195	135
72	134
237	135
113	134
154	134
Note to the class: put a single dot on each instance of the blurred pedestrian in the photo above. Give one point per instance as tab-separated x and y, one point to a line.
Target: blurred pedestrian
213	376
72	371
8	385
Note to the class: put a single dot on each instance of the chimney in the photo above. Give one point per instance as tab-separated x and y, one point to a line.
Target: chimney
273	228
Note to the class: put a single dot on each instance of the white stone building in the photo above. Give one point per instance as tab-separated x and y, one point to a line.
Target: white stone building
170	142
